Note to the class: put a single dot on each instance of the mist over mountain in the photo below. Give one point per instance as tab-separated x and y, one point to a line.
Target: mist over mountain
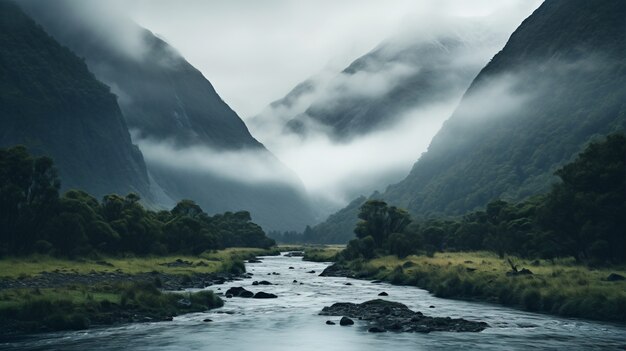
371	120
195	145
51	103
557	84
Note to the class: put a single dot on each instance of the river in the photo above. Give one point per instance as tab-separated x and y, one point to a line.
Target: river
290	322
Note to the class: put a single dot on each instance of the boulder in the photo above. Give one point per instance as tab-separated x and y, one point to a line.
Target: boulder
346	321
239	292
383	294
330	323
264	295
376	330
265	282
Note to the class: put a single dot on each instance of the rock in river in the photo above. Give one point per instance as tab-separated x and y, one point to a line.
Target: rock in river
239	292
264	295
393	316
345	321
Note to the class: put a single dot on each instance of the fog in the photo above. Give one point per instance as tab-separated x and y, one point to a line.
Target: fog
255	52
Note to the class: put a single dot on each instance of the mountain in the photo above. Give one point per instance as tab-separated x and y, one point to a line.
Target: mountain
174	112
51	103
556	85
378	89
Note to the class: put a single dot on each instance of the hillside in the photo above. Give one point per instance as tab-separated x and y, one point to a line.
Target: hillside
558	82
170	107
52	103
556	85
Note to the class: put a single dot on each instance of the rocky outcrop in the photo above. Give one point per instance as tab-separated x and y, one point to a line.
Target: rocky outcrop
239	292
336	270
385	315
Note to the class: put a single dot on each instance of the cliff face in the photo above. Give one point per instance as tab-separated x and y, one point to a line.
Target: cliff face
51	103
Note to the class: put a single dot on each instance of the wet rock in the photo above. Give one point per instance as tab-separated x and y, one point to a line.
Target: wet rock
252	260
396	317
313	272
264	295
431	306
239	292
376	330
206	320
613	277
275	273
295	281
345	321
376	281
291	268
336	270
348	283
330	323
383	294
265	282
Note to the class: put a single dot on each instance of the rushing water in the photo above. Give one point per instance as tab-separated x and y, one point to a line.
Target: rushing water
290	322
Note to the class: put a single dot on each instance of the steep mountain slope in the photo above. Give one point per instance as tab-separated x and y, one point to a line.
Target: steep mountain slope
51	103
557	84
171	108
379	88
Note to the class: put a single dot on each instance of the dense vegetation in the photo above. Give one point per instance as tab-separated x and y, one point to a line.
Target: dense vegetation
35	218
51	102
582	217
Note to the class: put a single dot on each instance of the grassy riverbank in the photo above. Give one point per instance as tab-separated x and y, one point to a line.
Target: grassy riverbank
559	287
79	307
114	289
207	262
322	253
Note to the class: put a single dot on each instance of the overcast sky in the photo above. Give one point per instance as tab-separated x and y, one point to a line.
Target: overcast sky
255	51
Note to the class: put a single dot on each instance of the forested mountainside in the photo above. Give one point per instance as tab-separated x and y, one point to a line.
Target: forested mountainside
169	103
557	84
52	103
565	71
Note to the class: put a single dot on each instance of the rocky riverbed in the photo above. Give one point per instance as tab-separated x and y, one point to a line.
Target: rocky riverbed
385	316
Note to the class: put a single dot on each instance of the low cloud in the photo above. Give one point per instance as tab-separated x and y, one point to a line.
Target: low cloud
249	166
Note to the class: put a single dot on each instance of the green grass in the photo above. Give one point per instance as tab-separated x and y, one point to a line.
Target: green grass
558	287
325	253
207	262
78	307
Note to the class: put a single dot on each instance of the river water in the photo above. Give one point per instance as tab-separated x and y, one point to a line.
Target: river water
290	322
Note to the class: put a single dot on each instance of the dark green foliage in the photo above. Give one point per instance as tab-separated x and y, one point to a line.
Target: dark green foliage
34	218
583	217
52	103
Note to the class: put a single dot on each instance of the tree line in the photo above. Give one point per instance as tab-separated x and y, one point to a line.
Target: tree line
583	216
34	217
